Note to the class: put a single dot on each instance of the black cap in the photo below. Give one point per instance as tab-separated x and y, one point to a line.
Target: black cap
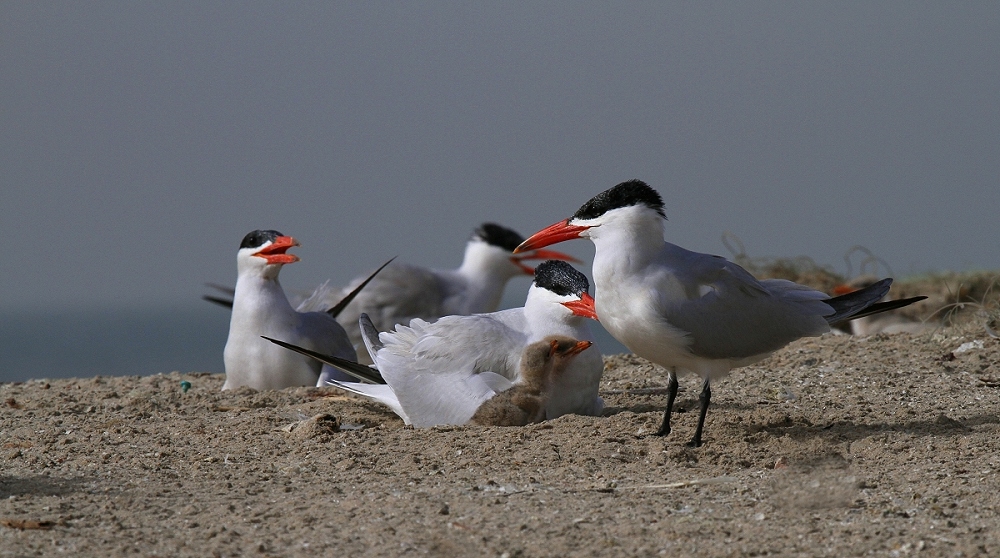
626	194
257	238
499	236
561	278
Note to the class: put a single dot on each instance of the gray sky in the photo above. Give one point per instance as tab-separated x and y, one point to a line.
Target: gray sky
139	142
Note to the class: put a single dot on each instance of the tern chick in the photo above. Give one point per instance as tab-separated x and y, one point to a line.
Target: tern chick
524	403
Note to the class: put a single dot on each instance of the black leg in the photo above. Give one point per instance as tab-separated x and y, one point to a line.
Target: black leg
705	398
671	395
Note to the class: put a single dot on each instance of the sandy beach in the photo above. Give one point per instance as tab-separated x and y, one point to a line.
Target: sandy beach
835	446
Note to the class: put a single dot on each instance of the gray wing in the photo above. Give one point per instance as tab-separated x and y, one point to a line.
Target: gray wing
729	314
398	294
325	335
435	399
436	369
477	343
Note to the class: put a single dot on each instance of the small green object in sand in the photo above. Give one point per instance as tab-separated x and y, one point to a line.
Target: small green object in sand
185	386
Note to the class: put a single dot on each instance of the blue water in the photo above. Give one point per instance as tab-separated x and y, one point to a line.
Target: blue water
87	343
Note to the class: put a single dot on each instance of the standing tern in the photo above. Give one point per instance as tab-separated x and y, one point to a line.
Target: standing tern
686	310
261	308
403	292
455	348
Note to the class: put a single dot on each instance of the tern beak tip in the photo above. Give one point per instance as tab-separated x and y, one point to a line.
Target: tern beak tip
275	253
584	307
555	233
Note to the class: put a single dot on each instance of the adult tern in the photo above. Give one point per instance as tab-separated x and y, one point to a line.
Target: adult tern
690	311
455	348
456	395
261	308
403	292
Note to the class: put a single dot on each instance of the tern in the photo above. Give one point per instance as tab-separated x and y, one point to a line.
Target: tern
524	403
454	394
403	292
260	307
454	348
881	323
689	311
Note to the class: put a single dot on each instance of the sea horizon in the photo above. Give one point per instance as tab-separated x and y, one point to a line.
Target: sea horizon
88	342
128	341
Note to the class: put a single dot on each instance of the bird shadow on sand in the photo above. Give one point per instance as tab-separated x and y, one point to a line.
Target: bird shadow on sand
41	486
655	400
847	430
801	428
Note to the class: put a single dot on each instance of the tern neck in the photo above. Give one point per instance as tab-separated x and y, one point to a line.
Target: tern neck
485	270
544	315
628	240
255	291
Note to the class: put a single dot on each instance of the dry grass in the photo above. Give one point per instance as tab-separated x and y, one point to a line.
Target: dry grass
953	298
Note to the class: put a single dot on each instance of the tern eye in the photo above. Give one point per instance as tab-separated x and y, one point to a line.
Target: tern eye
255	239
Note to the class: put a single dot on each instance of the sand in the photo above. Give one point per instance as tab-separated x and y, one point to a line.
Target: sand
835	446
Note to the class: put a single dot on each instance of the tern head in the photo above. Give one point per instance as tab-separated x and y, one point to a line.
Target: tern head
568	285
265	250
492	245
546	359
604	208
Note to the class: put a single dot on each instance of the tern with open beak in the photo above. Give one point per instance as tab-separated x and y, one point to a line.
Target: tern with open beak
261	308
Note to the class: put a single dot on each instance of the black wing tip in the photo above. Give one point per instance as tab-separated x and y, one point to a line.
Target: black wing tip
218	300
357	371
883	283
888	305
344	302
222	288
369	332
879	307
859	303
